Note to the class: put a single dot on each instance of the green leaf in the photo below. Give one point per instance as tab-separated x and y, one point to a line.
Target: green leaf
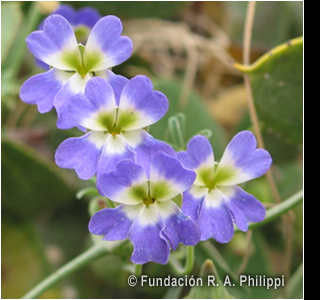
277	86
11	17
31	183
23	260
196	116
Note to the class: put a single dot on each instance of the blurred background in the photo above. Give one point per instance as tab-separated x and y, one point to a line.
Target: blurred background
188	49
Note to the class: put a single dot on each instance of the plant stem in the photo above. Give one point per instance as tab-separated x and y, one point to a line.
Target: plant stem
252	109
189	262
83	259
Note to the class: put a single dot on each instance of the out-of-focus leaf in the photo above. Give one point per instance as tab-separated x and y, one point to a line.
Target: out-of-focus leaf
30	183
197	116
295	284
134	9
23	263
277	86
11	17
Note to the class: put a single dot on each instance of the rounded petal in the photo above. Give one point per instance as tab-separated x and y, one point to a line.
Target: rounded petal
105	47
41	89
127	184
244	207
192	201
139	105
168	178
112	223
56	44
87	16
96	107
81	154
146	149
242	161
215	218
148	243
179	228
75	85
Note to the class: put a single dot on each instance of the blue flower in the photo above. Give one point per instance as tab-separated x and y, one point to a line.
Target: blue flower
215	201
147	214
115	124
82	21
73	64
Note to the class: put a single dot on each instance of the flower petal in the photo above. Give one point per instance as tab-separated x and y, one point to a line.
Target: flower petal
127	184
244	207
113	223
199	157
192	201
147	147
242	161
168	178
179	228
41	89
139	105
56	44
96	108
81	154
105	47
76	84
147	241
215	218
87	16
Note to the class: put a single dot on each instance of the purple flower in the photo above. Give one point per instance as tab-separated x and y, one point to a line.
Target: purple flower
147	214
115	124
73	64
215	201
82	21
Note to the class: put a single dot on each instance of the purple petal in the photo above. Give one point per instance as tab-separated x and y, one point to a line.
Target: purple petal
148	245
244	207
139	102
80	154
87	16
76	84
180	229
51	44
215	219
66	11
192	203
98	98
147	148
247	161
119	185
113	223
105	40
41	89
167	171
115	150
199	152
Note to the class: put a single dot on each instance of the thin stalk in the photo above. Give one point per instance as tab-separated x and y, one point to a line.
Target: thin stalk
252	109
74	265
180	271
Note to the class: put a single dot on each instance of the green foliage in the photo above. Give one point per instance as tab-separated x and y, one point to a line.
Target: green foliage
31	184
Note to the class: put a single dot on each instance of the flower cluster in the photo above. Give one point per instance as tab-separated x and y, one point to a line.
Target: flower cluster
140	173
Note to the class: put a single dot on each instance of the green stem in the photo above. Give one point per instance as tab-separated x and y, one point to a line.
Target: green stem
83	259
280	209
138	270
180	271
